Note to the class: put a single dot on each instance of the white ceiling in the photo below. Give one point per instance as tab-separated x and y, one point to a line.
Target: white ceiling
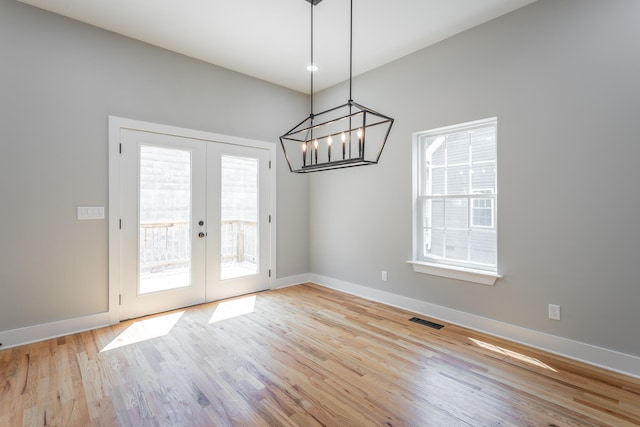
270	39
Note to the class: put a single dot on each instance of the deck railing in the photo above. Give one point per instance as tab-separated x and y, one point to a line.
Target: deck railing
166	245
238	242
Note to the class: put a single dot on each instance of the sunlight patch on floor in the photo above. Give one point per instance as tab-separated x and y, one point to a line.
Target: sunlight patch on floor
513	354
233	308
143	330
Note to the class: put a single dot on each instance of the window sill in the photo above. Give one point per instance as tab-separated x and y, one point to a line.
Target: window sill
458	273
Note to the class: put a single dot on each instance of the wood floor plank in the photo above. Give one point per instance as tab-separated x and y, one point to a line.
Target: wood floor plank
305	356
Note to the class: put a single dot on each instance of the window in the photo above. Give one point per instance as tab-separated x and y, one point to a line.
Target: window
482	211
456	197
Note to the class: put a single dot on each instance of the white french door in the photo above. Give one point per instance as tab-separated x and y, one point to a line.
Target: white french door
238	237
195	221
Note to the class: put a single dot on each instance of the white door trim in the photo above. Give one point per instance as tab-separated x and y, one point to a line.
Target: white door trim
115	191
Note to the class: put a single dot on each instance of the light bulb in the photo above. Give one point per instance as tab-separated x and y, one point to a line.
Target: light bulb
329	141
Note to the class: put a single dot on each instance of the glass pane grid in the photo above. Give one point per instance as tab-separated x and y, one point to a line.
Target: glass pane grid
467	246
458	188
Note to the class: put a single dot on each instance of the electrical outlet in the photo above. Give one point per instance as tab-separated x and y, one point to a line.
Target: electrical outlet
384	276
554	312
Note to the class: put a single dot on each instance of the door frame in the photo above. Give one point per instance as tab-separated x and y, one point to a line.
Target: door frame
115	193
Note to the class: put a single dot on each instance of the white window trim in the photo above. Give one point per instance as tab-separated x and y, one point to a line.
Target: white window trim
451	272
443	270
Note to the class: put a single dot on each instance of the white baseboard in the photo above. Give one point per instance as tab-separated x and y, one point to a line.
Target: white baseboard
29	334
609	359
283	282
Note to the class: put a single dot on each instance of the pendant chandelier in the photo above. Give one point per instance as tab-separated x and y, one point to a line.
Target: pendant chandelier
344	136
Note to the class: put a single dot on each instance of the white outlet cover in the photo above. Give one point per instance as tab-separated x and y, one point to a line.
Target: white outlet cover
554	312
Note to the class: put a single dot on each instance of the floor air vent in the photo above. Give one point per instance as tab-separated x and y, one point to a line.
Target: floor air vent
426	323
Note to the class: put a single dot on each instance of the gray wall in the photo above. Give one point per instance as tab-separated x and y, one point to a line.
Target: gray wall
59	82
563	78
560	75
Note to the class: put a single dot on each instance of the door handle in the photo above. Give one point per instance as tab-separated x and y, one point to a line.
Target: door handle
202	234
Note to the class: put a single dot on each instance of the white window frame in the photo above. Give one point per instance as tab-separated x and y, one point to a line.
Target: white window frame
441	266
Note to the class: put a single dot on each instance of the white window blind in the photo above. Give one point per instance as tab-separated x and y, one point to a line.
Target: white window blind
456	198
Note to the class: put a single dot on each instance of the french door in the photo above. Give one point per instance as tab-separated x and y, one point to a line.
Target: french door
238	238
195	221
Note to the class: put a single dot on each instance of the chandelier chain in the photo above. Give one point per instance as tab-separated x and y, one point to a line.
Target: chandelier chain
351	52
312	63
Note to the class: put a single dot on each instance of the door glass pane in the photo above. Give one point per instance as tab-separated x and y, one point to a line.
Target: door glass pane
239	230
165	219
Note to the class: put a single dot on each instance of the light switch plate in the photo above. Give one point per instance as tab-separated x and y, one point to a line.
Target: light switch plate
90	212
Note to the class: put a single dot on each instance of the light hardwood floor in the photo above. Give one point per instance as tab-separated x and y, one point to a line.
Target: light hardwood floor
301	356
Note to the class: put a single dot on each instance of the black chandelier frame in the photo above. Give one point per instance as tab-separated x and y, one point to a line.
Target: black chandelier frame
351	124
